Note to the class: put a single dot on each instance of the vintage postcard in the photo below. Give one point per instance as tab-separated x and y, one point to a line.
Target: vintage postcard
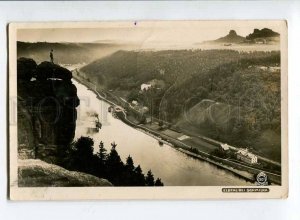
148	110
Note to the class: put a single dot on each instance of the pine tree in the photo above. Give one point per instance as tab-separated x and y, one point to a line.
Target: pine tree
114	165
129	164
158	182
113	158
101	161
102	153
139	176
84	146
109	166
83	157
129	174
149	179
113	145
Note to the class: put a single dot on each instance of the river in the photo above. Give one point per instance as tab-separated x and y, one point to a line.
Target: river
173	167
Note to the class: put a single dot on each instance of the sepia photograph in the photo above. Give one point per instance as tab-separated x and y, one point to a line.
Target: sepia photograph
148	110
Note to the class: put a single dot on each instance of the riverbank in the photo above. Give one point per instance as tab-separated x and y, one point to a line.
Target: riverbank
242	174
246	172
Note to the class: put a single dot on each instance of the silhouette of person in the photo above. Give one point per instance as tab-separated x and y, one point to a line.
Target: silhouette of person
51	56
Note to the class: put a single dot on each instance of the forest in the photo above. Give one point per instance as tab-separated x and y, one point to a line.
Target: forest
245	82
108	165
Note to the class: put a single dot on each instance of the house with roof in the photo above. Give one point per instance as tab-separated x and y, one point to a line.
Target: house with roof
145	87
245	156
224	147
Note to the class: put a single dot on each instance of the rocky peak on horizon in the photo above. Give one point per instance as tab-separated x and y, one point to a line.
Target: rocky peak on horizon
263	33
232	33
231	37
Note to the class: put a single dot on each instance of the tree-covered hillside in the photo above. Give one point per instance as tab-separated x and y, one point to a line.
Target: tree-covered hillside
244	87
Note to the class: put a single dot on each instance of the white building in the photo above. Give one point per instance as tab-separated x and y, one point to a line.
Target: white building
245	156
263	67
225	147
274	69
145	109
145	87
134	102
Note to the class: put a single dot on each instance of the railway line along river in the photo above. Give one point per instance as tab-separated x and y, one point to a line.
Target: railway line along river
172	166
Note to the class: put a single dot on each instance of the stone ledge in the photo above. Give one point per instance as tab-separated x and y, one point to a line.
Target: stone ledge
37	173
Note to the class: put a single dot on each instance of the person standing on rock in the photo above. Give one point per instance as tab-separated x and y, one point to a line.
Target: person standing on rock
51	56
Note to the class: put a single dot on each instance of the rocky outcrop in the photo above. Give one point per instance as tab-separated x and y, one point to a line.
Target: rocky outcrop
230	38
47	101
26	69
264	36
47	70
37	173
264	33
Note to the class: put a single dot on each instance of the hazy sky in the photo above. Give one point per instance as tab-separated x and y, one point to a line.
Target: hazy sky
166	32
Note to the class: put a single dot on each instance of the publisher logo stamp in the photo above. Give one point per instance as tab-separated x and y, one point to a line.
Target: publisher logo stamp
262	179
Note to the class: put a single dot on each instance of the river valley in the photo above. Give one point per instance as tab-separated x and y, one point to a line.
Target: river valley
172	166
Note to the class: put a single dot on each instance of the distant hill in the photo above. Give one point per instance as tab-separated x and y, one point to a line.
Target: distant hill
263	33
264	36
67	53
232	37
129	69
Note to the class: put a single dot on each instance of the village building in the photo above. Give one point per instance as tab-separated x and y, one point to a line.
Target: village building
145	87
274	69
148	120
134	102
145	109
153	84
263	68
183	137
245	156
225	147
260	41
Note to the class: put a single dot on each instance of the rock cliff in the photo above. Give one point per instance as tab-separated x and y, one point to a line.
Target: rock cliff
47	101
